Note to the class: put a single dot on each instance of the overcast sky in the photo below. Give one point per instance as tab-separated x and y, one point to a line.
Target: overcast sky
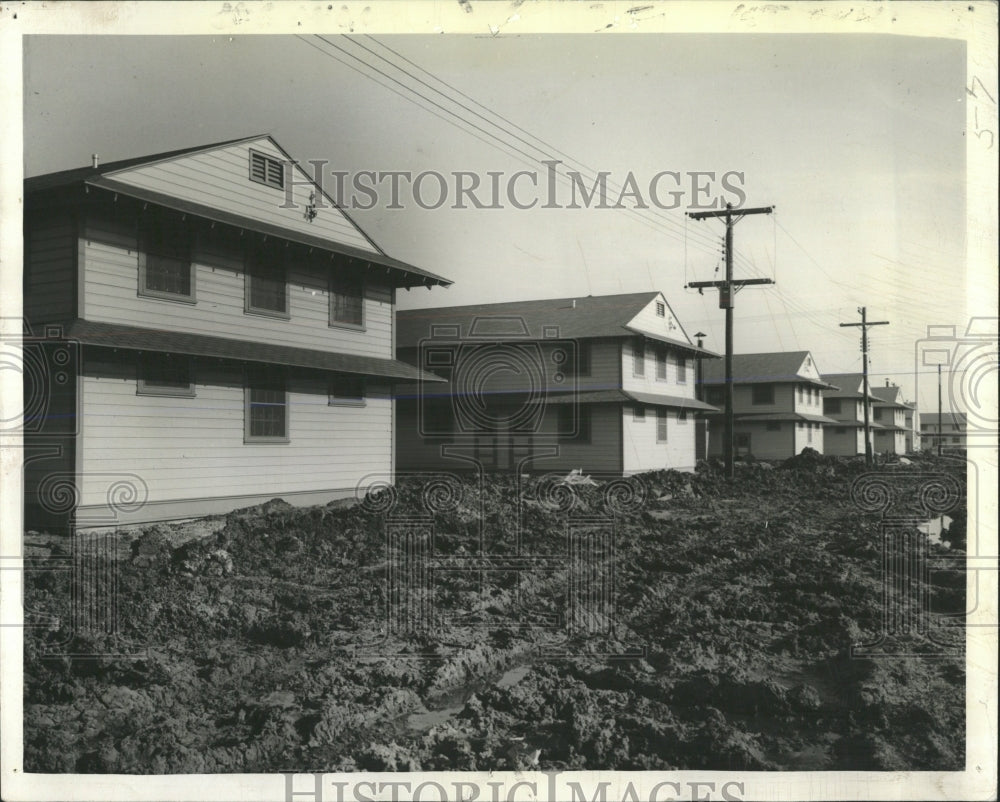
858	141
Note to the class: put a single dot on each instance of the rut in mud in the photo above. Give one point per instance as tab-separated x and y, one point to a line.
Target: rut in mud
266	645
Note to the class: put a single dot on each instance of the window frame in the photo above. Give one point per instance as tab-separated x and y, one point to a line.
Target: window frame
583	423
272	373
347	401
268	160
252	262
142	386
144	251
584	357
662	416
638	413
638	359
661	363
332	291
681	368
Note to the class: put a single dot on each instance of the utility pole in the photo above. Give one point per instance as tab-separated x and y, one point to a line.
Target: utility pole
940	425
727	291
700	425
864	324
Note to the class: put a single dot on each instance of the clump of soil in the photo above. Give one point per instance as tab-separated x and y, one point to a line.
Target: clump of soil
270	642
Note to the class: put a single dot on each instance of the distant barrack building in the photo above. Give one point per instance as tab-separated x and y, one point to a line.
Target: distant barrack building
777	405
208	335
603	384
951	434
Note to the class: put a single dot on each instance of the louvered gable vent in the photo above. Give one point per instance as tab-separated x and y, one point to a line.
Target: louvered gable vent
265	170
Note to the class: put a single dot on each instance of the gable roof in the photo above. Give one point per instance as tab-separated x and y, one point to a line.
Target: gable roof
111	178
891	396
75	175
950	418
587	317
846	385
780	366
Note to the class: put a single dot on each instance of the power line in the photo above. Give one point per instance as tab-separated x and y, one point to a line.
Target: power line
532	158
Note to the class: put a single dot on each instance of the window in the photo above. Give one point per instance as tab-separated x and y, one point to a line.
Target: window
682	368
165	269
799	394
583	357
638	358
661	363
265	170
809	432
347	391
266	291
877	413
639	413
565	420
661	426
165	374
774	426
573	422
266	406
763	394
840	430
715	395
831	406
661	309
347	306
682	416
956	439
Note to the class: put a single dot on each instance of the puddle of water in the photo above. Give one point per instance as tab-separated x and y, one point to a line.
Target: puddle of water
451	703
935	527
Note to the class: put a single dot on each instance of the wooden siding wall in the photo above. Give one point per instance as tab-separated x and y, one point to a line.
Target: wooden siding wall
111	294
641	451
648	321
192	448
50	451
764	444
802	440
49	267
848	444
600	453
648	383
784	399
220	179
889	442
812	400
605	365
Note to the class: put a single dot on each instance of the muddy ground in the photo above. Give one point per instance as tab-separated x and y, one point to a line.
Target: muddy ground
291	638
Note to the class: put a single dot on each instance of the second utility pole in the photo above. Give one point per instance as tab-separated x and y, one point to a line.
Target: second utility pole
864	324
727	289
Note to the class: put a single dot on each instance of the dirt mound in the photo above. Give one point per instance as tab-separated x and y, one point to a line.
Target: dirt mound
278	638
